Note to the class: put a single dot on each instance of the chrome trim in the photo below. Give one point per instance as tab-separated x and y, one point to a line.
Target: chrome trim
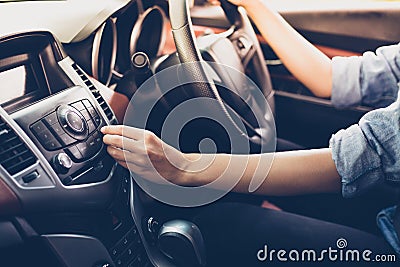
138	29
110	175
98	38
117	74
273	62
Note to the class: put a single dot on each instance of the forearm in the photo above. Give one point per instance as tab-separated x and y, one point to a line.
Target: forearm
308	64
291	173
282	173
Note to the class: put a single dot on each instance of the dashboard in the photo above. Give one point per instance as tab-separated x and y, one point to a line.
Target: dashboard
63	200
66	70
53	160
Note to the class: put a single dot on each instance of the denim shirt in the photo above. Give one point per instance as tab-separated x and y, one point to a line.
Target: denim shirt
368	153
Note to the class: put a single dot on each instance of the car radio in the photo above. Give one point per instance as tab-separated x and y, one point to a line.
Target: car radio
73	128
66	128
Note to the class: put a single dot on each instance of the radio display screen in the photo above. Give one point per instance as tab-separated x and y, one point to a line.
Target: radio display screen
17	82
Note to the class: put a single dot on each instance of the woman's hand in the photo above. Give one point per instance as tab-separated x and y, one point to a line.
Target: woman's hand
145	154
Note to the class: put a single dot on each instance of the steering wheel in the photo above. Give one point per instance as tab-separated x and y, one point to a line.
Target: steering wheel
237	48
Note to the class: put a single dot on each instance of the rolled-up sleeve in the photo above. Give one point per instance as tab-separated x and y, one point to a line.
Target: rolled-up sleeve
369	153
371	79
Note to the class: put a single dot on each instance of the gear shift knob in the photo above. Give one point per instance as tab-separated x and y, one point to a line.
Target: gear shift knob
182	242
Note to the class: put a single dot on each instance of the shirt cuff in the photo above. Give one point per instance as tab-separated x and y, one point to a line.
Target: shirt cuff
346	91
356	162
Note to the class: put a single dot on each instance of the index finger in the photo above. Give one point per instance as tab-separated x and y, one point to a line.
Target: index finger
122	130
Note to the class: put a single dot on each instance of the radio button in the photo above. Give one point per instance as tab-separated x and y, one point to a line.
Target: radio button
98	137
57	129
74	152
51	119
38	127
91	126
93	112
66	140
97	120
52	145
87	103
95	144
92	146
84	149
85	114
78	105
45	136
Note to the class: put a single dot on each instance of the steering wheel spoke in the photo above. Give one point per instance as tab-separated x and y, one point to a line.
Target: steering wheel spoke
231	52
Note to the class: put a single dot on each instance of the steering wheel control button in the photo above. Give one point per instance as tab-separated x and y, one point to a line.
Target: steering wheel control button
62	163
73	122
244	47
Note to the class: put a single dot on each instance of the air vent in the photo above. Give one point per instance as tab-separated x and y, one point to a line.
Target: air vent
95	92
15	156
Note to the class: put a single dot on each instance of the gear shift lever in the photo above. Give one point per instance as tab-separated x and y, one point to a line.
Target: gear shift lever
182	242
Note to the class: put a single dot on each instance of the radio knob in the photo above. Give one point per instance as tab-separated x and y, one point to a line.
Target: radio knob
62	163
73	122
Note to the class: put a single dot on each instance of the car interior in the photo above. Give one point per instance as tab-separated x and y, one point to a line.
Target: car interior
68	68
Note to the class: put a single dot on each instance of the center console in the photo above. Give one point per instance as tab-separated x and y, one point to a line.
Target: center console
53	159
67	132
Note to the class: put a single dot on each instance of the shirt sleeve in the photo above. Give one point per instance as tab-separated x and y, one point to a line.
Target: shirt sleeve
371	79
369	153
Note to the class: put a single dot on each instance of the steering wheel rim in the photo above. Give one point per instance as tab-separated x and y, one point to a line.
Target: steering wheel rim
189	52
